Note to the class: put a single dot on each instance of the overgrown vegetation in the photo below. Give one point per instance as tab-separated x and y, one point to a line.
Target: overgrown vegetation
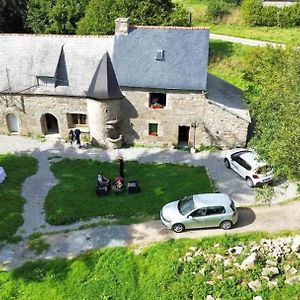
17	169
75	198
227	61
155	272
273	93
254	13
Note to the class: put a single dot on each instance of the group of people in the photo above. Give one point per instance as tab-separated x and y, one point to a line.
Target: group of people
118	182
74	136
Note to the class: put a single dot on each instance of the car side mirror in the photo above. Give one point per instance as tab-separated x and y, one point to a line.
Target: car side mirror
190	217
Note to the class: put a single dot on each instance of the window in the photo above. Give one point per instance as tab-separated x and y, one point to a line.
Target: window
160	55
45	81
75	120
157	100
215	210
153	129
198	213
243	163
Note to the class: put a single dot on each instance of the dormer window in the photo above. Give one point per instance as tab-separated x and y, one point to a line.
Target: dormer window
160	55
45	81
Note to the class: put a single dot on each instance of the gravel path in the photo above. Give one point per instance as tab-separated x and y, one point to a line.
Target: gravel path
36	187
244	41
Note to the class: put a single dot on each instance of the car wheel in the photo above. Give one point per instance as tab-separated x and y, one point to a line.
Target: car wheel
227	163
178	228
249	182
226	225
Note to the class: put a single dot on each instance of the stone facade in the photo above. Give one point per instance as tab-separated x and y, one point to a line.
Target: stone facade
31	110
128	119
216	126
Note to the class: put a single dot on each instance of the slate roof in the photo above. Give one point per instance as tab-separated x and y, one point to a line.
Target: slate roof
73	59
227	96
184	63
104	84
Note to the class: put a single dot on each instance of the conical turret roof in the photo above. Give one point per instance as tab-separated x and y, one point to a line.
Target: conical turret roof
104	84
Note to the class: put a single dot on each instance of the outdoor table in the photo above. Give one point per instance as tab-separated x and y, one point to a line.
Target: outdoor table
2	175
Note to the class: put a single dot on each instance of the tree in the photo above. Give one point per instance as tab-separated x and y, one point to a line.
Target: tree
38	15
101	14
273	92
12	15
55	16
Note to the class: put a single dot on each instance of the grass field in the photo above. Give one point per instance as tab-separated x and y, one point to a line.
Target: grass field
226	60
17	169
148	274
272	34
74	198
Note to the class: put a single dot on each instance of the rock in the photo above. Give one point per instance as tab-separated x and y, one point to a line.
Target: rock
290	271
189	254
296	244
219	257
270	272
227	262
292	280
188	258
202	271
272	284
254	285
210	297
255	248
236	250
249	261
272	263
193	249
198	253
216	245
257	298
180	259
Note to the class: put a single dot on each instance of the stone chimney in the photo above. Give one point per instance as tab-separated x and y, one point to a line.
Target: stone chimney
122	26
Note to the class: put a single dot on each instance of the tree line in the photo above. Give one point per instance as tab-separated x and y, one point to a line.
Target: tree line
86	16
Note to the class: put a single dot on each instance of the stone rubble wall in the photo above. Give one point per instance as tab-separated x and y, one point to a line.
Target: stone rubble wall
216	125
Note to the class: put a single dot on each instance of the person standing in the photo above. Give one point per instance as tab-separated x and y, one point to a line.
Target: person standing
121	167
71	136
77	137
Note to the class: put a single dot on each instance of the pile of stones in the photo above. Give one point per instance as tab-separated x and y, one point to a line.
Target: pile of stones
277	258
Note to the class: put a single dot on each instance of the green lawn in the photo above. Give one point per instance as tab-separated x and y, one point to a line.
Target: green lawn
17	169
154	273
74	198
271	34
226	60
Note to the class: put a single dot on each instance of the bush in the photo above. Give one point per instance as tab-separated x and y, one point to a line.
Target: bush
251	12
218	9
255	14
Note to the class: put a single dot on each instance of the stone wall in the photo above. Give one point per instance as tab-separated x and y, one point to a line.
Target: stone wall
30	119
216	126
222	128
133	115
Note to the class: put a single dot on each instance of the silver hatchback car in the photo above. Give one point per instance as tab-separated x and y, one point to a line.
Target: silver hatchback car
199	211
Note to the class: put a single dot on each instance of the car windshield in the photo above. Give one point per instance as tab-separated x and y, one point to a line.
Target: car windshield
186	205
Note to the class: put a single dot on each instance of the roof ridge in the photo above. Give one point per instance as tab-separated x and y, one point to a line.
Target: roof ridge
57	35
168	27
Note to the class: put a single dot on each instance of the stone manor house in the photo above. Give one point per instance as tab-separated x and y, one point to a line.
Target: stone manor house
143	85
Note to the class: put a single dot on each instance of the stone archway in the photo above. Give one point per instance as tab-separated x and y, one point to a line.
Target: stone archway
49	124
12	123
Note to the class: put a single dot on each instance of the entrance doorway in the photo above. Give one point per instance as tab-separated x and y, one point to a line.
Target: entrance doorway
183	136
12	123
49	124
